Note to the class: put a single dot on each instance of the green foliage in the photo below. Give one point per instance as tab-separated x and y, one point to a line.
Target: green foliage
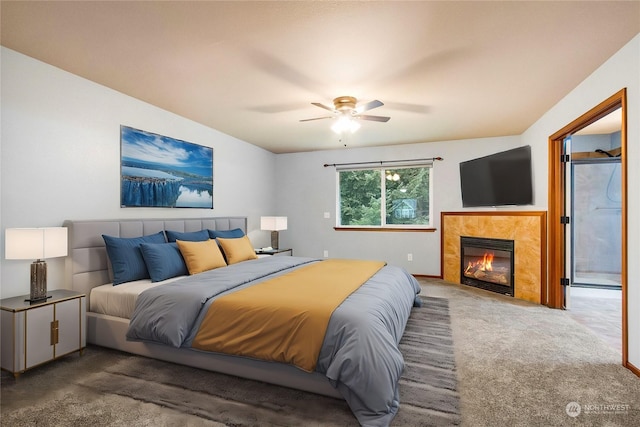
360	196
406	197
410	191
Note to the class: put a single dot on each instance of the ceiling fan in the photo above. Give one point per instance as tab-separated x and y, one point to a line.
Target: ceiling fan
345	109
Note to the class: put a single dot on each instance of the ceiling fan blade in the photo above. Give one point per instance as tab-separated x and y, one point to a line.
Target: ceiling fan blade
368	106
373	118
411	108
317	104
316	118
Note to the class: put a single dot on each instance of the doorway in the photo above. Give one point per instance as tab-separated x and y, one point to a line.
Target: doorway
561	262
595	294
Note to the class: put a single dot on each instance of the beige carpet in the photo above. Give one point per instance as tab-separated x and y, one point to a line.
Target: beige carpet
109	388
522	364
518	364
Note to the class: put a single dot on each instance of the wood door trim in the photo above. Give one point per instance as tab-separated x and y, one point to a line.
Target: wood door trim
556	204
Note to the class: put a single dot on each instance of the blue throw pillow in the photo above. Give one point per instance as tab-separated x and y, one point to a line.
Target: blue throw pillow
193	236
163	261
126	258
226	234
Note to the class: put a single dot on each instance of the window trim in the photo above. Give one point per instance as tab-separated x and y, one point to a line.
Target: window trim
386	227
429	229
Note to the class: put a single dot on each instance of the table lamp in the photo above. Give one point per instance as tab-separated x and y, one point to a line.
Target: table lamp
38	244
273	224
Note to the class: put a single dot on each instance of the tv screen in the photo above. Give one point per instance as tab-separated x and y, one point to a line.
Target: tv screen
499	179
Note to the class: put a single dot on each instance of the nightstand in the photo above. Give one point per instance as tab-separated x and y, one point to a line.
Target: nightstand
275	252
36	333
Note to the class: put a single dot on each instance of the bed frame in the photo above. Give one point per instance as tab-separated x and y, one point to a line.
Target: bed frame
87	267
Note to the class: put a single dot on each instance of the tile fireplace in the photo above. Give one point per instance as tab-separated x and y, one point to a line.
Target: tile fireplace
488	264
527	229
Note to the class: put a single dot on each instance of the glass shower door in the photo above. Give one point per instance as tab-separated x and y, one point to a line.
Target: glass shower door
597	221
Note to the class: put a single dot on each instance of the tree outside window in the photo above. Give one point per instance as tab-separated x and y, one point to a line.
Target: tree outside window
385	197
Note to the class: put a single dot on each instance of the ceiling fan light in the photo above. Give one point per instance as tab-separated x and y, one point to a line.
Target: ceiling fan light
345	124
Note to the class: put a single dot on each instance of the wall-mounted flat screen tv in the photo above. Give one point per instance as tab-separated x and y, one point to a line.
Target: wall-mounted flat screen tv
499	179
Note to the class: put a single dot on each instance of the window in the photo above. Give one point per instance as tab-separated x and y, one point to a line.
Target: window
384	197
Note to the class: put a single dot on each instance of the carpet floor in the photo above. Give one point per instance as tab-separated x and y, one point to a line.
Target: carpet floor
524	364
110	388
516	364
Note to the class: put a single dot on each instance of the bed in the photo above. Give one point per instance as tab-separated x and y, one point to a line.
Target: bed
114	311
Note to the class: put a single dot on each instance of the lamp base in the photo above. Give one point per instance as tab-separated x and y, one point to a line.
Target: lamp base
38	281
274	239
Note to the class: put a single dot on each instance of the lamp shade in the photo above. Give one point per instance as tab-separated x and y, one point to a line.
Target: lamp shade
273	223
35	243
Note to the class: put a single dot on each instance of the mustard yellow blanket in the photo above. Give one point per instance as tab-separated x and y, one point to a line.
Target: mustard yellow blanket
283	319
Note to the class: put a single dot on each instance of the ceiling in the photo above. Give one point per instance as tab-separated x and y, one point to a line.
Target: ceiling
444	70
606	125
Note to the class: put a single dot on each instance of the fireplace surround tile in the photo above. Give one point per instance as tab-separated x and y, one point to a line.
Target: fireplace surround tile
526	228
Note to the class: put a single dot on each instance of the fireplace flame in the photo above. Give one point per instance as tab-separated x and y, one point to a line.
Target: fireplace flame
484	264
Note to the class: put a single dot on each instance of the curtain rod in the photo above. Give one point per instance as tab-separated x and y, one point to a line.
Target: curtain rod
381	162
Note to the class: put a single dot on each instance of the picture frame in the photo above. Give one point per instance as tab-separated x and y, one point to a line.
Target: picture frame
164	172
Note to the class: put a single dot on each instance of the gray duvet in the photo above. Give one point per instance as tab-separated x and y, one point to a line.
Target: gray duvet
359	356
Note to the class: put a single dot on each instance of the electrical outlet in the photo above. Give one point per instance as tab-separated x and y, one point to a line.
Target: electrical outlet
409	257
326	253
327	214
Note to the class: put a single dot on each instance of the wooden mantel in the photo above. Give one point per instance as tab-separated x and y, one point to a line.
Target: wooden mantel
528	230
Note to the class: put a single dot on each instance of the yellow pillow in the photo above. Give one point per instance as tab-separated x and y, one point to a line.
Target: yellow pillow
237	250
201	256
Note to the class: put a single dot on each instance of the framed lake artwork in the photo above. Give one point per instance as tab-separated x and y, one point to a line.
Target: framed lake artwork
163	172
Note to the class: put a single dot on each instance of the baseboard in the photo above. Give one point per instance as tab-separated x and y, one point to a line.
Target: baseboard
426	276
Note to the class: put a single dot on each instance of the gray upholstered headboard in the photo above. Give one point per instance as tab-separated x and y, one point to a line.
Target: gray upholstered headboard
87	265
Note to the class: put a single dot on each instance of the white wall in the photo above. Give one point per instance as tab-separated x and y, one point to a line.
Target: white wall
61	159
306	190
620	71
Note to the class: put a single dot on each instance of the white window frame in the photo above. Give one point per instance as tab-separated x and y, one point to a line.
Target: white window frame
381	167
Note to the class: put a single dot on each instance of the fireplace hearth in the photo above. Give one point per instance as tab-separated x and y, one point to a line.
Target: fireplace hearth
487	263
